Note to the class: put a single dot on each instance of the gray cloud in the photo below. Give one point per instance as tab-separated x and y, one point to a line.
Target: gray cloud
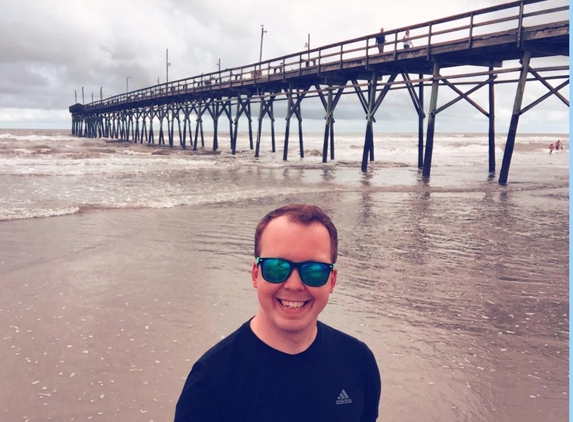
51	48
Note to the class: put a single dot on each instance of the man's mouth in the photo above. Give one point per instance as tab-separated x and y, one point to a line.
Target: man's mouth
290	304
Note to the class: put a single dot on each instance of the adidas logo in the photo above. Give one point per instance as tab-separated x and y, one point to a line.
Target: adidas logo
343	398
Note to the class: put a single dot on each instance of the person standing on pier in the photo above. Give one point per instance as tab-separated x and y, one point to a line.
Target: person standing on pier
283	364
406	39
380	40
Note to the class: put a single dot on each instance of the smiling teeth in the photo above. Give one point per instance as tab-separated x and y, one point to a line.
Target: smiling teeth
289	304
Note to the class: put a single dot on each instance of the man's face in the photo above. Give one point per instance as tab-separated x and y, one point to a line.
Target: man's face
292	307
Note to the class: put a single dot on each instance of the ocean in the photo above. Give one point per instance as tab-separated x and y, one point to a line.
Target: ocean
48	172
122	263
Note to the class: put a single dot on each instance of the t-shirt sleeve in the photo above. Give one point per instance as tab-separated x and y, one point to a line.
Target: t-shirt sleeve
198	402
373	388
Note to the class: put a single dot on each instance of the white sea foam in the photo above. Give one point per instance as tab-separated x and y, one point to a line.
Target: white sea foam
40	177
40	166
213	197
7	214
37	138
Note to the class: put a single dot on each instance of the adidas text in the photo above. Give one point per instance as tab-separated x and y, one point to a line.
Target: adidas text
344	401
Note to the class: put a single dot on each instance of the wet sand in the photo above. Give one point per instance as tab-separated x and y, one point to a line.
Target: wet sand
462	296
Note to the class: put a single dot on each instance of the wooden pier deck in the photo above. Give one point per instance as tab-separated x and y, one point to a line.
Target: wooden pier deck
524	30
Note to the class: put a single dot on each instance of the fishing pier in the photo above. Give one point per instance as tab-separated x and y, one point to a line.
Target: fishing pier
523	31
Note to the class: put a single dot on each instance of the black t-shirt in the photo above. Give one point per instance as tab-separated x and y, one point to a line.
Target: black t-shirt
381	39
242	379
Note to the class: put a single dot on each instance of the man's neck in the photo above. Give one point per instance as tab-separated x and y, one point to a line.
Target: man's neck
292	342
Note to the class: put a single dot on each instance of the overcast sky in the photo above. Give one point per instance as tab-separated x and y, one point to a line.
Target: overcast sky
51	48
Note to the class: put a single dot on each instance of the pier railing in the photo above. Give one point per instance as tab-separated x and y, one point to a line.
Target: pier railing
508	21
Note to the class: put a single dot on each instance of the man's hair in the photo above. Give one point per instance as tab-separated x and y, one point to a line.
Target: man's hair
303	214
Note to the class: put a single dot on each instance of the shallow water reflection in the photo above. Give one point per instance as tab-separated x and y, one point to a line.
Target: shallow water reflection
466	294
461	293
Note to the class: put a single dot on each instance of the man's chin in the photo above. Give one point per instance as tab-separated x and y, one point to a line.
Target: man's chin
294	325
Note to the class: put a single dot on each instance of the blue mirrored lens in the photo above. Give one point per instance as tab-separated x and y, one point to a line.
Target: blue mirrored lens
275	270
314	273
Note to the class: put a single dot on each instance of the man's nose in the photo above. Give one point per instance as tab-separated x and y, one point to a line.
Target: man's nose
294	282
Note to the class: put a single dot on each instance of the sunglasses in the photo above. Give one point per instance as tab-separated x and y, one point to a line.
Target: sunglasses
278	270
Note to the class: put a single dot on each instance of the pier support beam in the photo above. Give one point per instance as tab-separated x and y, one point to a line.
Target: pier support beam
509	145
287	126
243	106
143	131
328	121
150	139
214	109
329	103
370	110
271	113
421	117
266	107
113	133
162	112
177	115
368	151
260	119
170	115
228	110
250	120
418	101
186	125
298	114
491	131
431	121
106	126
199	125
130	128
137	117
294	108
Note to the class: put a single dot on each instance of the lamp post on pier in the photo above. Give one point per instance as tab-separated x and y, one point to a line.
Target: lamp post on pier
263	32
307	45
167	64
127	83
259	92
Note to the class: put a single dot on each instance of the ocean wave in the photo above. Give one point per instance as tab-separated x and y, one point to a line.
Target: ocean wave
9	214
35	138
46	178
156	200
82	164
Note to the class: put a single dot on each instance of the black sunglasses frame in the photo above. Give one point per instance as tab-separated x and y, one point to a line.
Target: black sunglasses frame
297	266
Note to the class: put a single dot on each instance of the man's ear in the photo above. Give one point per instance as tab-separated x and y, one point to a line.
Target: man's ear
332	281
255	274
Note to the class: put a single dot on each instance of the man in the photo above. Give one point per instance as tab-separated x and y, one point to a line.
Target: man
380	40
283	364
